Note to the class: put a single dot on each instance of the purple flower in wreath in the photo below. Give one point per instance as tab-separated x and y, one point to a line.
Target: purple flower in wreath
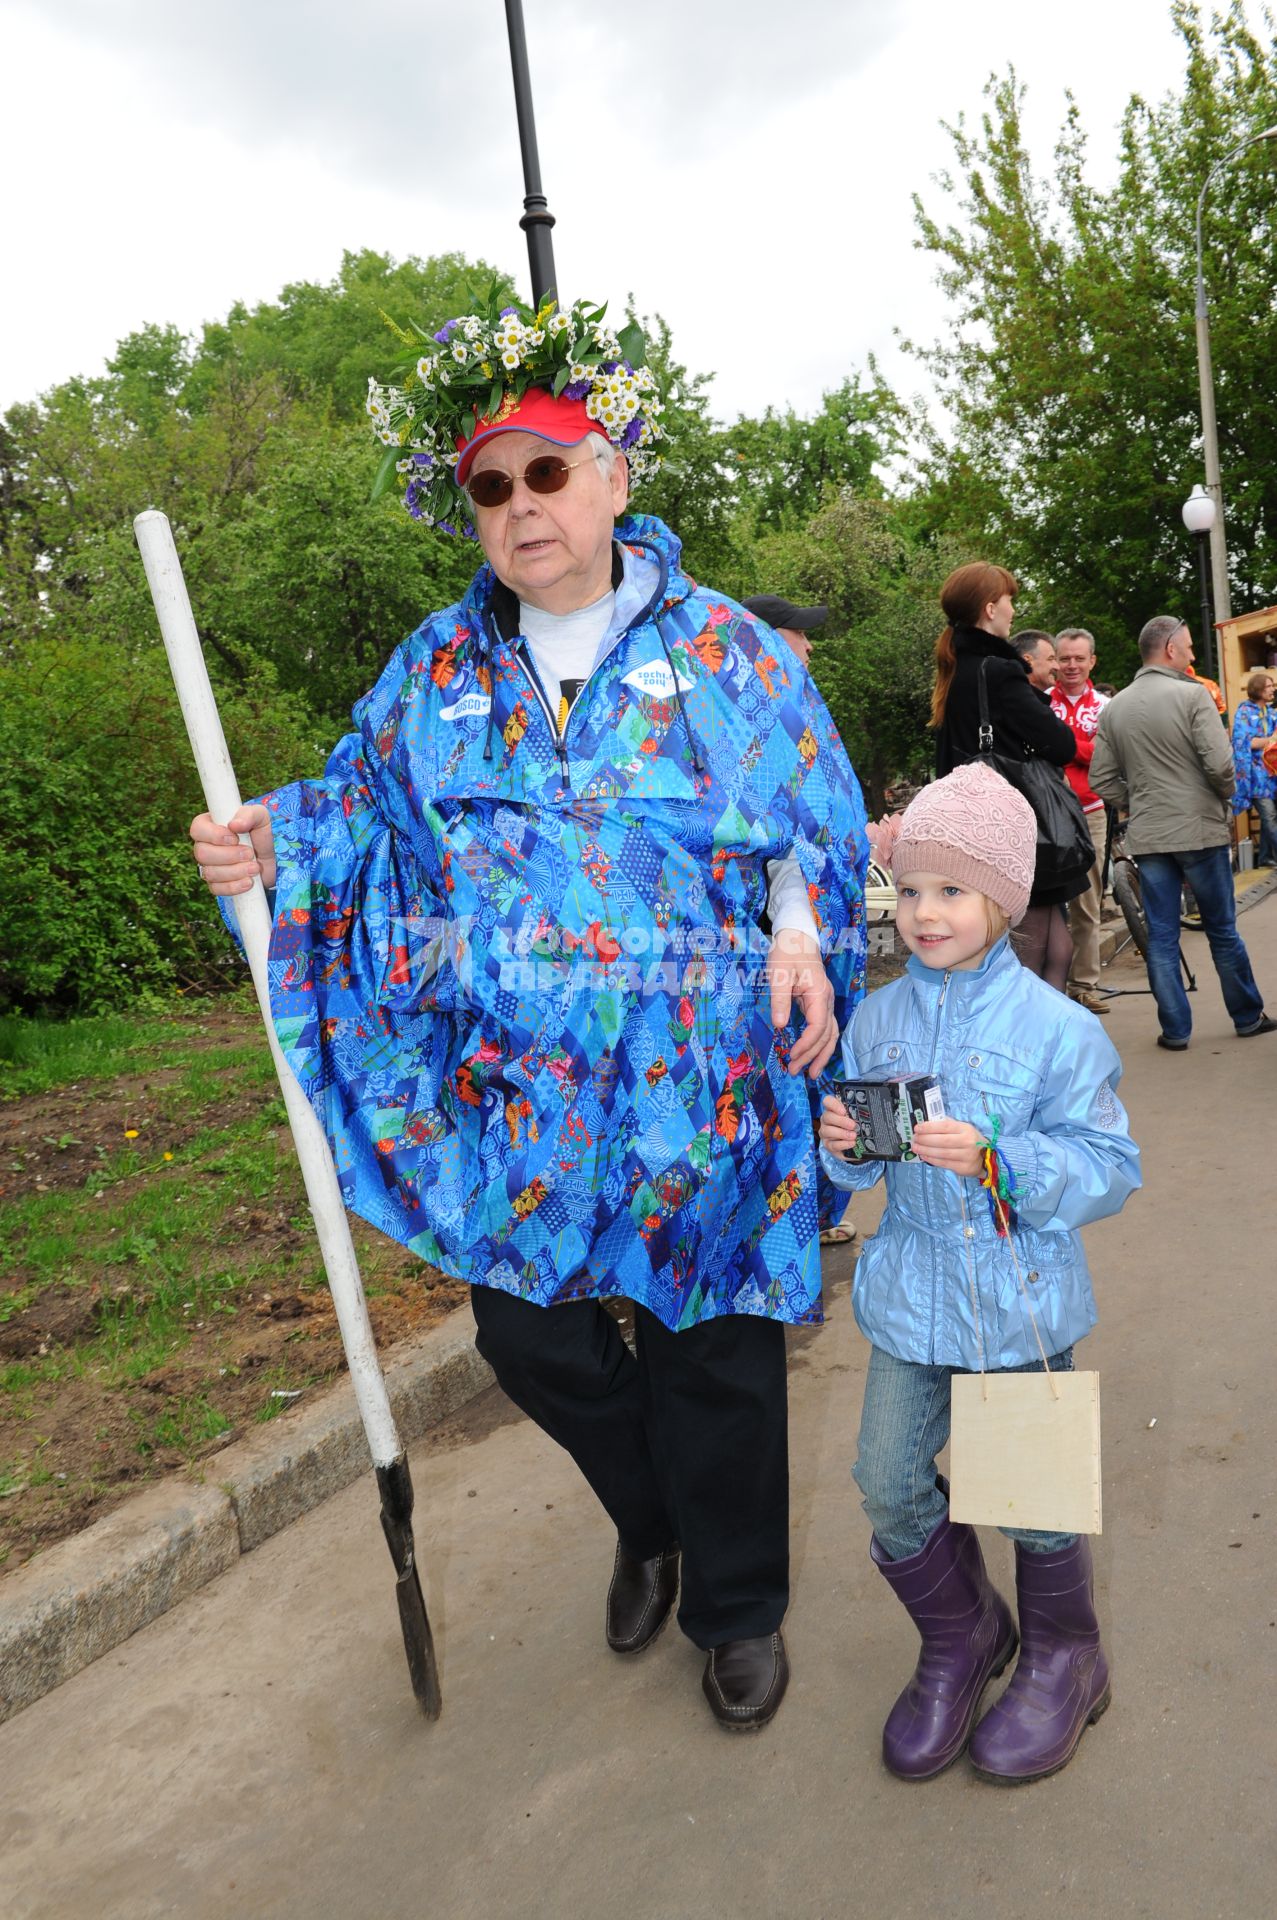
631	434
578	389
446	331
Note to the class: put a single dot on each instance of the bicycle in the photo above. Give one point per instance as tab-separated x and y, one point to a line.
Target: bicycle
1123	876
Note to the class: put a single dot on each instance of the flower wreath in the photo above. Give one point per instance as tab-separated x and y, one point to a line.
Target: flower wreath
481	361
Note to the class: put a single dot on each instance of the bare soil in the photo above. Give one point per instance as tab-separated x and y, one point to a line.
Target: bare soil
77	1434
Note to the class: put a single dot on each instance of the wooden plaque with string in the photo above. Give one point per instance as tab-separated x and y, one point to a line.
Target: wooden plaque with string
1025	1451
1024	1448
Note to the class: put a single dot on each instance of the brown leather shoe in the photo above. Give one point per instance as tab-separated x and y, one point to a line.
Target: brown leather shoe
640	1598
745	1681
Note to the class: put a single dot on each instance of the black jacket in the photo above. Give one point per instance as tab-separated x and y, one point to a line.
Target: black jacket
1022	717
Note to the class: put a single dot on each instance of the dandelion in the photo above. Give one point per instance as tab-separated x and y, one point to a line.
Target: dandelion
130	1133
168	1156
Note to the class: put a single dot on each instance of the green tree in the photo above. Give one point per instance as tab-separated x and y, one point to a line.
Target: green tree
325	340
1068	369
784	465
873	660
318	580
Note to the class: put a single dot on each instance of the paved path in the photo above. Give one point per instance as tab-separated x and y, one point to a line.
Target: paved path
256	1751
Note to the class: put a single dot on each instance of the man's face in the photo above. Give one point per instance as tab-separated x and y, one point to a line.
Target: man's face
798	642
1179	651
1041	664
1075	662
553	549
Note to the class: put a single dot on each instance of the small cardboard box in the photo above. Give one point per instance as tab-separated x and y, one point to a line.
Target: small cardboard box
887	1111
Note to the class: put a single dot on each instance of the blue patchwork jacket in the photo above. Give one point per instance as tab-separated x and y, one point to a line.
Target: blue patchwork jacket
520	969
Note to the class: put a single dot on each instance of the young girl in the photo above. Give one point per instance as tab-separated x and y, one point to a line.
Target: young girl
936	1290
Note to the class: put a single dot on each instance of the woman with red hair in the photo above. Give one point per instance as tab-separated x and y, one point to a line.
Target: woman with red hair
978	603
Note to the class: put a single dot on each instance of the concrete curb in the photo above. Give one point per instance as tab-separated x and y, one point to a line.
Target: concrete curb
69	1606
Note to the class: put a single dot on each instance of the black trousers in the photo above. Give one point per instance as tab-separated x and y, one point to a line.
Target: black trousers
689	1441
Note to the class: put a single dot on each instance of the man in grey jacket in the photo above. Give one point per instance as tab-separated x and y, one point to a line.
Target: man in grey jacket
1161	754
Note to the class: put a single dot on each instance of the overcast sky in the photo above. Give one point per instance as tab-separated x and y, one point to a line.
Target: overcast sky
740	165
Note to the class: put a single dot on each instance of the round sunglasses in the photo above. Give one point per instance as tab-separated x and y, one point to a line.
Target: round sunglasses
546	474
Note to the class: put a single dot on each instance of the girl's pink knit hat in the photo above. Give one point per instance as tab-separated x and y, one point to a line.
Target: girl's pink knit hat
972	827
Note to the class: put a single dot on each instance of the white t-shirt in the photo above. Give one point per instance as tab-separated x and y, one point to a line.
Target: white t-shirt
566	646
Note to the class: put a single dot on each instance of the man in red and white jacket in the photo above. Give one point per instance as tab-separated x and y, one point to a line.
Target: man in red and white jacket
1075	701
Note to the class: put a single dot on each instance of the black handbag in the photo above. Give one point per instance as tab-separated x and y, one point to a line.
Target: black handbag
1065	852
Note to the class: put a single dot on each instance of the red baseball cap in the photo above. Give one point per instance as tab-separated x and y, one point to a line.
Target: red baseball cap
565	422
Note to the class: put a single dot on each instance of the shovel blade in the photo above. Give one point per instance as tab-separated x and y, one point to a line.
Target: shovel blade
419	1645
395	1484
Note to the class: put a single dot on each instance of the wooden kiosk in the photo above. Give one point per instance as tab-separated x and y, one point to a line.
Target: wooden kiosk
1247	641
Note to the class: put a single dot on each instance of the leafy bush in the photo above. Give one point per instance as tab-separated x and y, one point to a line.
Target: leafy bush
102	903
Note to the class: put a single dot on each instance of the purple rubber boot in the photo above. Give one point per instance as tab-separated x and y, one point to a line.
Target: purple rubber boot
967	1637
1061	1682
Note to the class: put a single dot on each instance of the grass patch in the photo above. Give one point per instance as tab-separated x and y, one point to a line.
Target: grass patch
185	1426
161	1288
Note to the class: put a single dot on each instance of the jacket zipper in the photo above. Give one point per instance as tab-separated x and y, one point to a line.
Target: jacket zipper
534	681
928	1172
560	738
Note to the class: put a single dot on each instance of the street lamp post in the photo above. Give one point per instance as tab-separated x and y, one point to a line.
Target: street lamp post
537	218
1199	517
1206	384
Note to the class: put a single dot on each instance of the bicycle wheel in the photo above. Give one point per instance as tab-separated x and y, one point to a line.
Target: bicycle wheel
1126	891
1190	914
880	896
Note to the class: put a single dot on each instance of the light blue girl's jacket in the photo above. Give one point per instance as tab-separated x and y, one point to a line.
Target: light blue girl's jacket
1003	1044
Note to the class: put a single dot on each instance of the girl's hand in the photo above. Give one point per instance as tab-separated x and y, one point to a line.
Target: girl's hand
837	1128
955	1145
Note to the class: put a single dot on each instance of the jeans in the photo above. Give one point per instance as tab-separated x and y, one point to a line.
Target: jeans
1266	808
1209	873
903	1426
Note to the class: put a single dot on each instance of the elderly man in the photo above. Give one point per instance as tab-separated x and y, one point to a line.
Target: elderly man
1075	700
1161	753
518	964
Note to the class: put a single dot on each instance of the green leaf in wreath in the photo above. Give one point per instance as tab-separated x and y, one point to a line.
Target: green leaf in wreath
385	472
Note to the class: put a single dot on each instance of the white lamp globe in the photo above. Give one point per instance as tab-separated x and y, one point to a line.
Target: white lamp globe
1199	511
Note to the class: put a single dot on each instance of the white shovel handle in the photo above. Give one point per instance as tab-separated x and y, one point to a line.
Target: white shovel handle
222	797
